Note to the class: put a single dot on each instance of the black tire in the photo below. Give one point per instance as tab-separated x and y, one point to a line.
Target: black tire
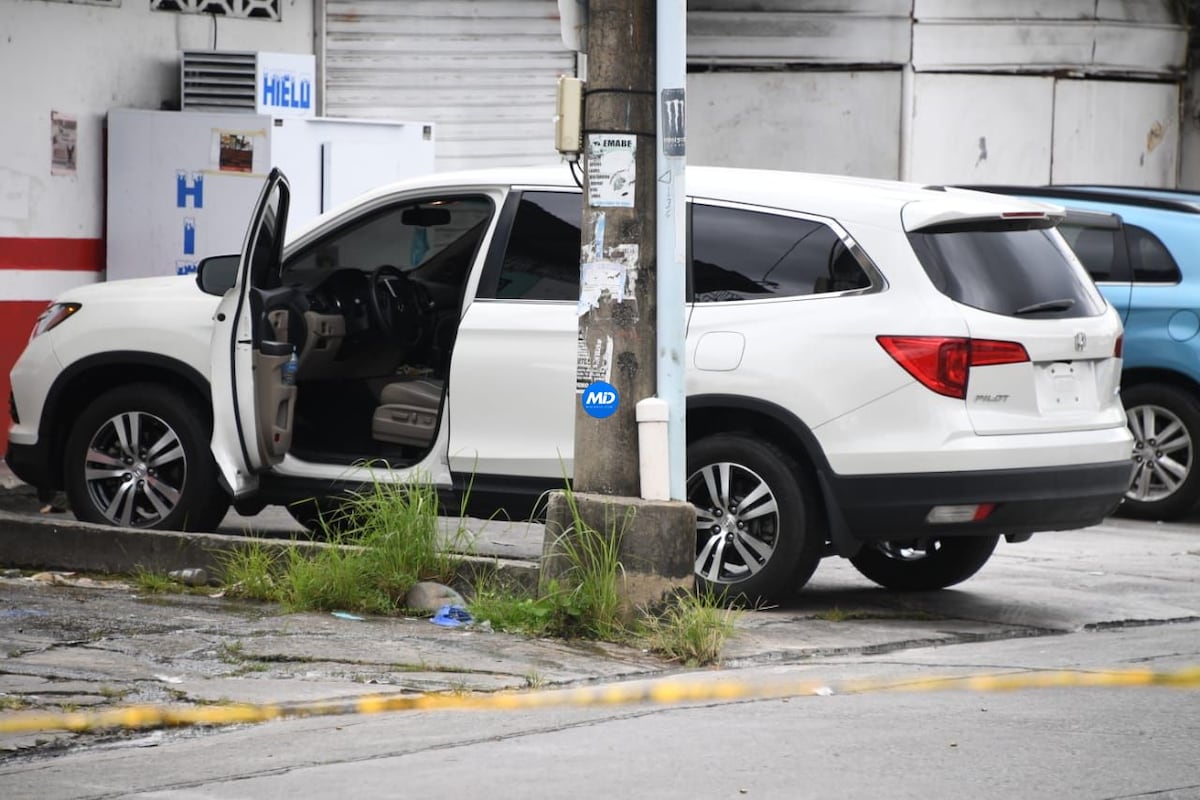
165	480
924	566
1166	481
758	554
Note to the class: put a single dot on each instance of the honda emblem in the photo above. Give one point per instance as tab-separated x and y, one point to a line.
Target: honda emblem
1080	341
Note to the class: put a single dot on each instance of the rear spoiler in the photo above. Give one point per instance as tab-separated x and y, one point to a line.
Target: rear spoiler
962	207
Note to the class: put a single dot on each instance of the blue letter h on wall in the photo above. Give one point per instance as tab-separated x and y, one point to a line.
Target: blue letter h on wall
183	191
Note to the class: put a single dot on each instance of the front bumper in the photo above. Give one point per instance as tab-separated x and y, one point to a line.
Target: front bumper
31	463
895	507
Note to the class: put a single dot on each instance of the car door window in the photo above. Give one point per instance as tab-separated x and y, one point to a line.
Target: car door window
541	257
435	238
1152	262
739	254
1096	248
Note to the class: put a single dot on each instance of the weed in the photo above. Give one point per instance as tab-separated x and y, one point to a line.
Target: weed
534	679
836	614
385	539
692	628
250	570
533	616
586	595
248	667
154	582
10	702
109	693
68	707
232	652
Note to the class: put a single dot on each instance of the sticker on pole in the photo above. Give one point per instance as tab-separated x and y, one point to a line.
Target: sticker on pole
611	169
600	400
674	122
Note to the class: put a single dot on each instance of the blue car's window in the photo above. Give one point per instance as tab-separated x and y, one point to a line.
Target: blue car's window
1096	248
1152	262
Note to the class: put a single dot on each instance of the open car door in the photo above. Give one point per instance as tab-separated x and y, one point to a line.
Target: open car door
253	406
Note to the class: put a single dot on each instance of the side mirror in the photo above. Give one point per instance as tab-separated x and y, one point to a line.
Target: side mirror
217	274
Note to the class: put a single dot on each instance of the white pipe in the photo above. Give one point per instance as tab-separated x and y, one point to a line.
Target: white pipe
653	465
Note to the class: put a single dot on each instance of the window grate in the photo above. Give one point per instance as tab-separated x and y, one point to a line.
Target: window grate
243	9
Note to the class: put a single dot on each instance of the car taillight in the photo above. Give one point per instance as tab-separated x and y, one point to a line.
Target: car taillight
943	363
1119	349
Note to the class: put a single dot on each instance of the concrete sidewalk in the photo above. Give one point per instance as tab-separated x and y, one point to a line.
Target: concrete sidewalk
32	538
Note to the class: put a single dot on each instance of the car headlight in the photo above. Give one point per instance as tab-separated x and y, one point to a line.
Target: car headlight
52	317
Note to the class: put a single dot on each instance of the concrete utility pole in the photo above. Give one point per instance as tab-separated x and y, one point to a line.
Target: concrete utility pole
618	298
617	358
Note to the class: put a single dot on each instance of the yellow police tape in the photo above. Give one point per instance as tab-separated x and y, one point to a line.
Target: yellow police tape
659	692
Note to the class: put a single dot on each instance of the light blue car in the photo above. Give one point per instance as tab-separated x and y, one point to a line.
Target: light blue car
1142	247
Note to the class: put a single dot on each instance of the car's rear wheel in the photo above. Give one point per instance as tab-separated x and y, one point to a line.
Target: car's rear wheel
1165	423
924	564
138	457
757	536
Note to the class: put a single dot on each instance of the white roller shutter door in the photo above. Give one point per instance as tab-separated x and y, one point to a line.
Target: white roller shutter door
483	71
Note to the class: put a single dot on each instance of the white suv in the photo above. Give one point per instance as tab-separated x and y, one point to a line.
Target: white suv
893	374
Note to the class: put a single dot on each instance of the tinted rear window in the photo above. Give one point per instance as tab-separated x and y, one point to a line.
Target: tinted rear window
1016	270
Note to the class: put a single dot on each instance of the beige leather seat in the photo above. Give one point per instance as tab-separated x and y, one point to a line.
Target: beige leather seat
408	412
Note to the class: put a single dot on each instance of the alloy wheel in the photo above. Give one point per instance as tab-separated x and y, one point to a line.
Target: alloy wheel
737	522
135	469
1162	453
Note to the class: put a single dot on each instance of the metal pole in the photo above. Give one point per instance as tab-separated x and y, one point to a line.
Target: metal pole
671	232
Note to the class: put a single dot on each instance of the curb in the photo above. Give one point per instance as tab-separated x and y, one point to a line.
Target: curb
71	545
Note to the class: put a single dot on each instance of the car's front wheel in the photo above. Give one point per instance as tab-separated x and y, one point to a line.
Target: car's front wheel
138	457
757	536
1165	423
924	564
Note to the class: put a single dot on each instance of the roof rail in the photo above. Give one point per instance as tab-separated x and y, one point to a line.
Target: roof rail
1103	194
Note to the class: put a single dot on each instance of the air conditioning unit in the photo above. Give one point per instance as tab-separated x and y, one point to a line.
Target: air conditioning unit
279	84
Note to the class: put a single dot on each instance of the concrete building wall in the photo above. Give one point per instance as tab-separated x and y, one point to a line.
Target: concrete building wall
62	66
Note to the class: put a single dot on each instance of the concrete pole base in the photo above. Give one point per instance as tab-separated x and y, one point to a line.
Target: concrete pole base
657	546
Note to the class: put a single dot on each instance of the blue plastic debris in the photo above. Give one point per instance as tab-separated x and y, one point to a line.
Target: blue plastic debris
452	617
347	615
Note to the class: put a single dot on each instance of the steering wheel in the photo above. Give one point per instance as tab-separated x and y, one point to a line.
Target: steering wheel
398	305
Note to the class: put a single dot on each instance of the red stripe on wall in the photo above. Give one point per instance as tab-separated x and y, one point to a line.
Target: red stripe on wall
16	321
85	255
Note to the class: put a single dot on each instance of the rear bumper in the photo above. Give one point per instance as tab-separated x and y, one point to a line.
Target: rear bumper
874	507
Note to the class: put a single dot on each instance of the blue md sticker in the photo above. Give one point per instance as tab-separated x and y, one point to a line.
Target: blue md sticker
600	400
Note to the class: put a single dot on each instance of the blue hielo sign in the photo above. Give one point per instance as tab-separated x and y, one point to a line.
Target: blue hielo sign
286	84
600	400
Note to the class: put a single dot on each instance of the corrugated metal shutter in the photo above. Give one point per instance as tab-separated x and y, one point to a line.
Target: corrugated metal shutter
484	71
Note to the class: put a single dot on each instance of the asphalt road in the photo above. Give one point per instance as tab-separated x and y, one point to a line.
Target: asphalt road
1118	595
